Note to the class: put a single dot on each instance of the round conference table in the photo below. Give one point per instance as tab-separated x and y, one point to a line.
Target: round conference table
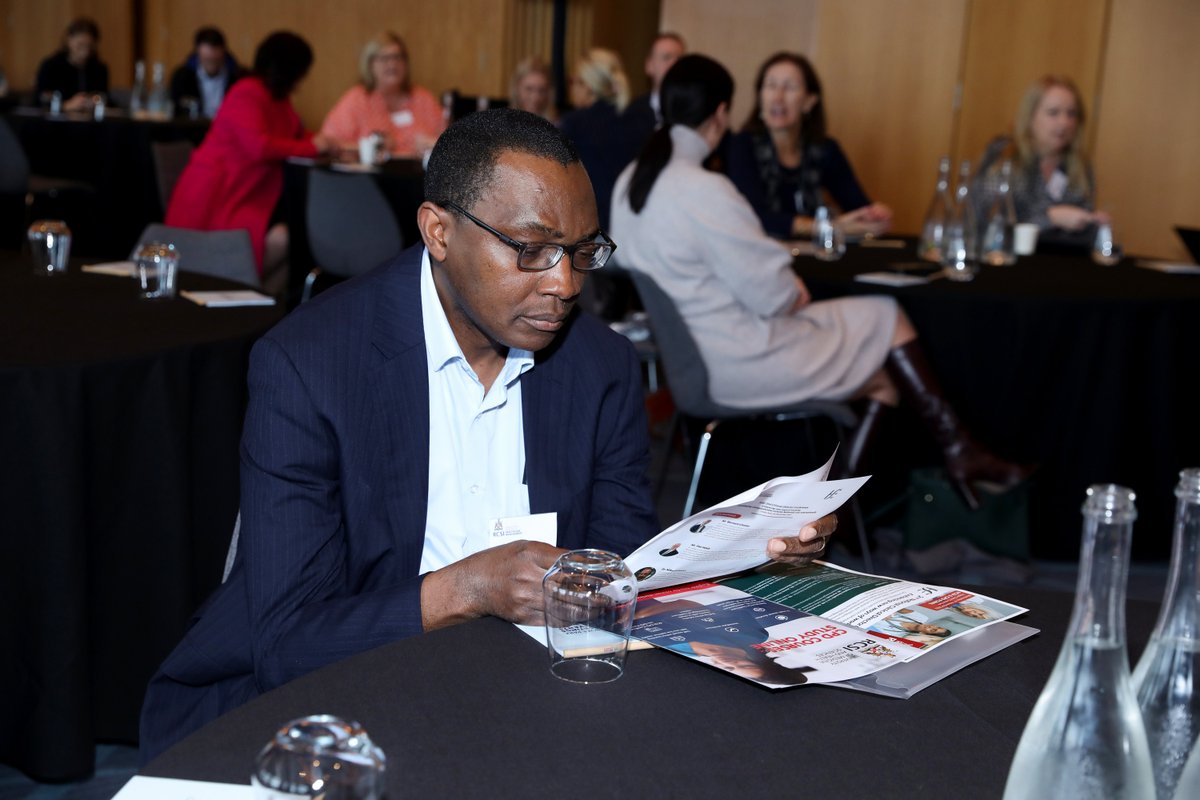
472	711
120	421
1088	371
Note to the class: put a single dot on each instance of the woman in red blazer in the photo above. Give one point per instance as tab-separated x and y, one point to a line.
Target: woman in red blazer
235	177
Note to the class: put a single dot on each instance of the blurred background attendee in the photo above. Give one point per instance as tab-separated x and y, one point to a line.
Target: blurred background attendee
532	88
1052	183
644	113
386	101
205	76
235	178
75	71
764	341
599	93
784	162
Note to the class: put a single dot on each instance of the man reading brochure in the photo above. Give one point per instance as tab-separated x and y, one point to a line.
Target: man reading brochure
422	443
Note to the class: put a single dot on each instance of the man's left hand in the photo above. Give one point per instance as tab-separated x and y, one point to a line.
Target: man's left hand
809	544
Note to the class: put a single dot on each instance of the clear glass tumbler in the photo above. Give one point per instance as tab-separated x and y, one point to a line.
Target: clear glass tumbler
589	598
319	757
49	246
155	265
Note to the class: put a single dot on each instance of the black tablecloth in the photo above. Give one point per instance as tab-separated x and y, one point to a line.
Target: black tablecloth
1089	371
119	424
402	182
472	711
115	157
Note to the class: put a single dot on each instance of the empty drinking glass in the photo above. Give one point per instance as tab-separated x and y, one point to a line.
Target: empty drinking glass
155	265
1105	249
319	757
49	246
589	598
829	243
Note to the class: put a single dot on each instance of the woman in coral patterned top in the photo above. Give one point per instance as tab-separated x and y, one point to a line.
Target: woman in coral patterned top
409	117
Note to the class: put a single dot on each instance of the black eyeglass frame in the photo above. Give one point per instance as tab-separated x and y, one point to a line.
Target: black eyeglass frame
520	247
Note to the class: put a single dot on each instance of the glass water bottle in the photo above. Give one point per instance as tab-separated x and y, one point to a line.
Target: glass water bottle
960	254
1165	677
1085	737
933	231
999	244
159	101
137	98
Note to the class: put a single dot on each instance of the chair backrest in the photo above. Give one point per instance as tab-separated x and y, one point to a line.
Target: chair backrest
14	165
351	227
686	372
223	254
170	158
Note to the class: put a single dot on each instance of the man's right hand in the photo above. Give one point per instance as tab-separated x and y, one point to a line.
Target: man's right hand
503	581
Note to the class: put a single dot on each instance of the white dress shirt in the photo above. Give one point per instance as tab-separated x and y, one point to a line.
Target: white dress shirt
476	441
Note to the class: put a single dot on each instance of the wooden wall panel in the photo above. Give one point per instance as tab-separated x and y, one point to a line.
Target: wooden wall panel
1147	152
889	96
741	36
1012	43
30	30
628	27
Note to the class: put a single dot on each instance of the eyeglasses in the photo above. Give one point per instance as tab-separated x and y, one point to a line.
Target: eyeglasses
541	256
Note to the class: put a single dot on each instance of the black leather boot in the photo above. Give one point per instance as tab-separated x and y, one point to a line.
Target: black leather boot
967	460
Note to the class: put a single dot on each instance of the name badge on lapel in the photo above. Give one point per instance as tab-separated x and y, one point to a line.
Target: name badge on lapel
403	118
534	528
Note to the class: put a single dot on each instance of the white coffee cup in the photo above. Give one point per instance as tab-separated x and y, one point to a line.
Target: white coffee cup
368	150
1025	236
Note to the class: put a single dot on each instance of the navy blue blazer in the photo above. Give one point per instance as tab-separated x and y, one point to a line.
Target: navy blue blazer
335	461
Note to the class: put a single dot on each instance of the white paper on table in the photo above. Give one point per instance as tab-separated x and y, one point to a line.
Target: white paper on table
229	299
891	278
122	269
141	787
1172	267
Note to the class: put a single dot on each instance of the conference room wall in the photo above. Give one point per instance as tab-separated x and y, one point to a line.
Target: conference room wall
1147	131
30	30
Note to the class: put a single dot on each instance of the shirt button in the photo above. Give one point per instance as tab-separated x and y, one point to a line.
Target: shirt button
475	489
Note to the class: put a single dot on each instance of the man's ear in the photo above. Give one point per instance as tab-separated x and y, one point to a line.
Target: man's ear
431	222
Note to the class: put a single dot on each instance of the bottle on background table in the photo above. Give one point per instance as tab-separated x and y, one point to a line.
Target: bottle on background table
933	231
960	254
999	243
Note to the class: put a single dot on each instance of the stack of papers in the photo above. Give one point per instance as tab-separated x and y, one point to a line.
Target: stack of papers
894	278
229	299
122	269
1172	267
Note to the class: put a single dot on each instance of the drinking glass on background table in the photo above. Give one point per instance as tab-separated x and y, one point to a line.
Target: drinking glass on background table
589	598
49	246
829	242
154	268
319	757
1025	236
1105	249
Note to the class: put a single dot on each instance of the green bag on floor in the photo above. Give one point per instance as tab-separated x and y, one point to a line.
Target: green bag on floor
937	514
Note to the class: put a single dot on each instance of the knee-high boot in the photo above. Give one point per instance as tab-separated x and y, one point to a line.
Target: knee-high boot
967	460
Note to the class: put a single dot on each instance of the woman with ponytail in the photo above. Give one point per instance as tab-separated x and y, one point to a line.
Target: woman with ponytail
763	340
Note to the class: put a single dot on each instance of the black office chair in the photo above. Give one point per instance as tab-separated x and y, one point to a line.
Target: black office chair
351	227
687	377
40	194
170	159
222	254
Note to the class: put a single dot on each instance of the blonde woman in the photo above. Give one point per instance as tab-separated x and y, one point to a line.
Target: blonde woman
600	92
1052	181
532	88
387	101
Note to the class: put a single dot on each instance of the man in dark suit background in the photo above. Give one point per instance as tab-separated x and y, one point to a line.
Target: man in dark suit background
205	77
644	114
396	418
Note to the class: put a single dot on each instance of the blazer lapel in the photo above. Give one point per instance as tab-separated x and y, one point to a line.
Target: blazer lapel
400	394
546	417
